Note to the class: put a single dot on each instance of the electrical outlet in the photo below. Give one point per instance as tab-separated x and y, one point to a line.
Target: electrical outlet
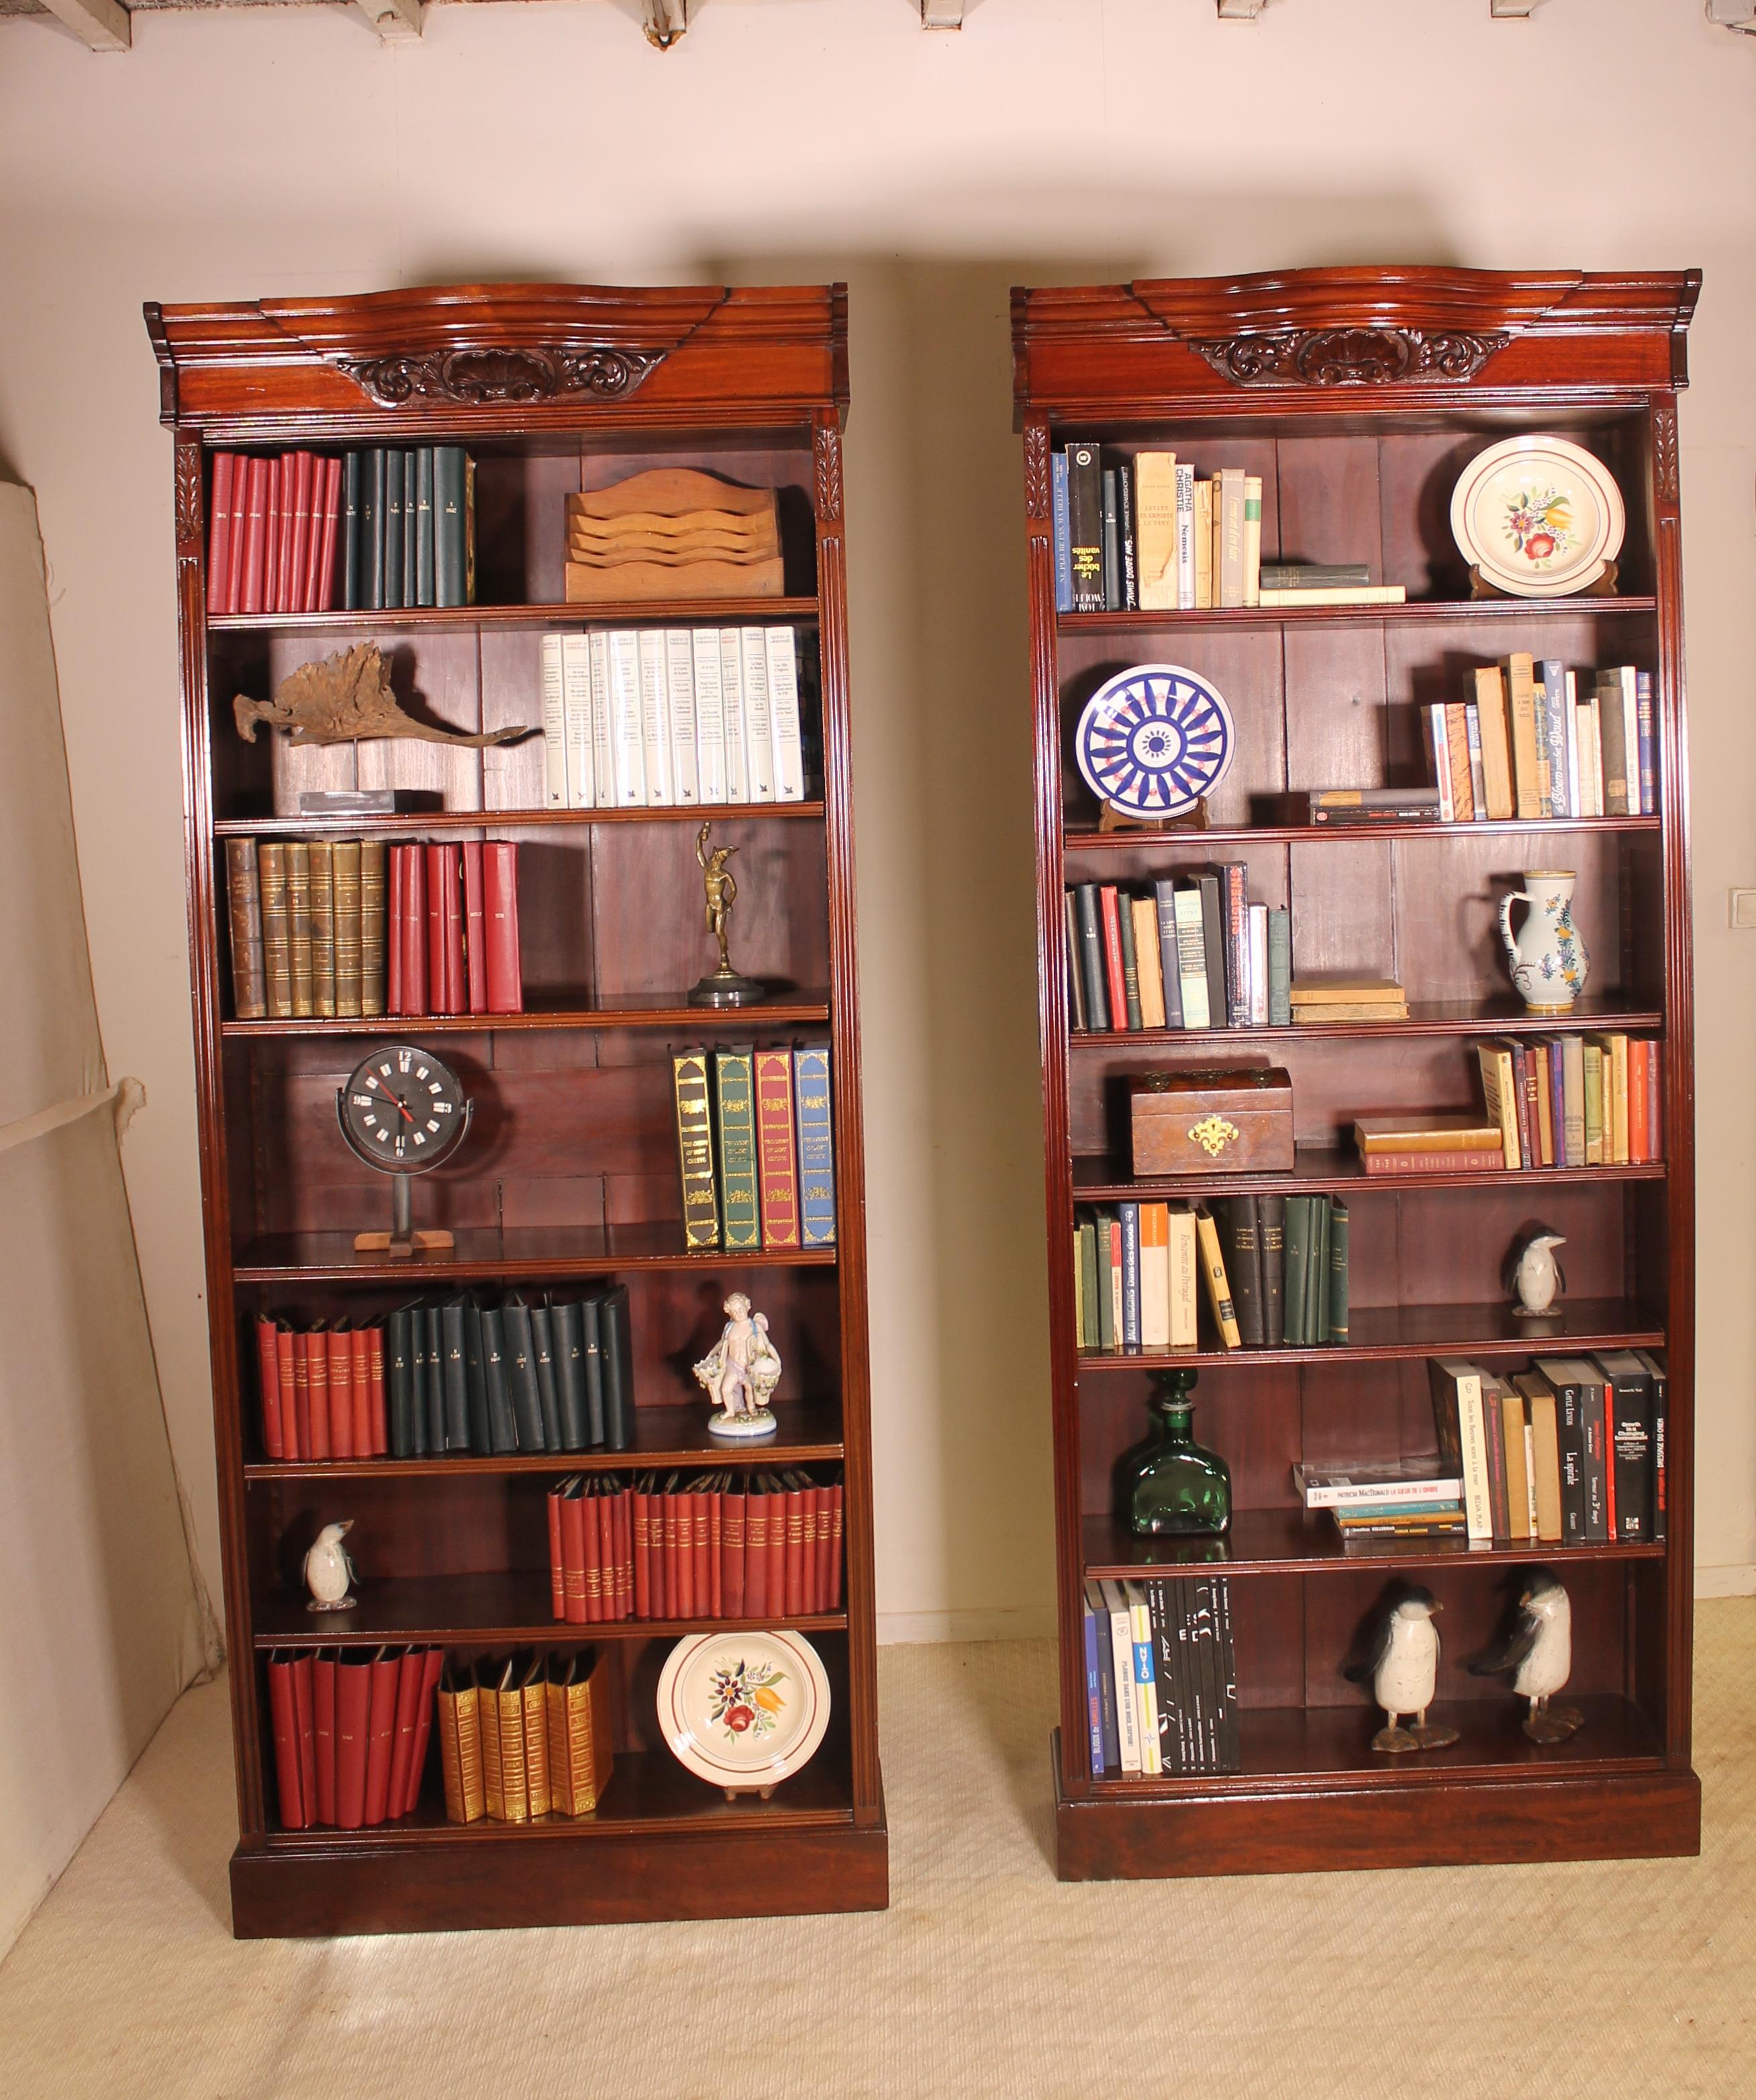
1744	910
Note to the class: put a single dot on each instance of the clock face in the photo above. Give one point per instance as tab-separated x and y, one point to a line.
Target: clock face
404	1109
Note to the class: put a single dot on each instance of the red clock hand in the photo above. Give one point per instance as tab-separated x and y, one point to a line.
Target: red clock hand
403	1106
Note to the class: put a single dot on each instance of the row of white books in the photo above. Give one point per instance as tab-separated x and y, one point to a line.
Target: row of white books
656	717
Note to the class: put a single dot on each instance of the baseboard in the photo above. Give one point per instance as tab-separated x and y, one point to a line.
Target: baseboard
1738	1580
908	1629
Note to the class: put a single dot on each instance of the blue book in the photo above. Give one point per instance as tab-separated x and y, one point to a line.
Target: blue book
1130	1216
1094	1694
1558	1103
1553	673
817	1145
1098	1612
1649	750
1063	533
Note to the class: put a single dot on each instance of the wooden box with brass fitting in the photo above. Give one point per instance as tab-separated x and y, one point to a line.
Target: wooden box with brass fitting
1238	1120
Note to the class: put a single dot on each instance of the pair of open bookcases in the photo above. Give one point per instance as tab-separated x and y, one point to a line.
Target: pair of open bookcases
1357	396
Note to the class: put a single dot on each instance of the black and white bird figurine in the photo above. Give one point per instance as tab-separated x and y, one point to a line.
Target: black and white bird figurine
1402	1668
1533	1275
1538	1652
328	1572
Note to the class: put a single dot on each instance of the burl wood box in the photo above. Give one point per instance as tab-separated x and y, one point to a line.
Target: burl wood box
1237	1121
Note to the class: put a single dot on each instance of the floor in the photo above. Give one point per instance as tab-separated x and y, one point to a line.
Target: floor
986	1977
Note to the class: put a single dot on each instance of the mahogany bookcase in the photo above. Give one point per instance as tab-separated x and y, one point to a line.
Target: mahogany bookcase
569	1174
1357	396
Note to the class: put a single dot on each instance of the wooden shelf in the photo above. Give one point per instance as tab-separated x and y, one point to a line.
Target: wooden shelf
809	1434
408	821
1415	611
1499	1016
1390	1331
495	1608
1317	1168
670	612
657	1010
1077	838
532	1252
1288	1541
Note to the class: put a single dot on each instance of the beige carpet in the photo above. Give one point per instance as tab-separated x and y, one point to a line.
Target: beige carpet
986	1977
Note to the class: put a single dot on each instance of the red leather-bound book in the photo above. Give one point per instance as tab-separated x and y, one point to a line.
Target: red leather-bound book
393	944
557	1584
834	1593
679	1545
475	927
700	1535
410	1671
777	1549
731	1550
500	886
798	1501
777	1148
304	1715
437	975
591	1513
658	1502
268	1371
826	1548
625	1553
353	1714
290	1446
573	1553
1117	980
340	1351
317	1389
239	533
255	538
638	1502
451	922
415	930
365	1446
320	596
274	516
295	542
295	1813
322	1731
433	1661
716	1562
302	1391
381	1427
380	1732
219	533
755	1551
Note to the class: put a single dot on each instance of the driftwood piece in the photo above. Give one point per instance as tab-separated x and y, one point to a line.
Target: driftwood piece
347	697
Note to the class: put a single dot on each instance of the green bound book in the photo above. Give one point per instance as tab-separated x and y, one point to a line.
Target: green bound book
733	1085
423	539
1316	1291
1107	1336
1337	1271
1131	963
451	555
1298	1270
1279	967
1088	1285
395	466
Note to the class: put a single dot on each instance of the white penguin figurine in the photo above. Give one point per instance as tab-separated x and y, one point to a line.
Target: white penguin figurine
1539	1653
1402	1669
1532	1275
328	1572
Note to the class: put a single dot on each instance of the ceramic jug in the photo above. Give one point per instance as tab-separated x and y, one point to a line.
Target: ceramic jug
1548	959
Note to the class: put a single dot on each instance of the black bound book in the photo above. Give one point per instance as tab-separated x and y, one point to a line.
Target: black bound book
1092	957
394	463
412	525
548	1393
372	532
433	1380
1085	522
423	541
475	1377
521	1376
1131	961
454	1376
1170	1676
1131	584
617	1343
1213	938
1240	1241
400	1382
1112	543
1271	1241
1164	898
352	572
503	1428
1075	975
451	552
591	1345
570	1376
1570	1437
1630	1452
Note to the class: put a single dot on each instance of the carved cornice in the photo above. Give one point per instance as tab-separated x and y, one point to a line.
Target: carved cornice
1351	356
1037	470
828	450
477	376
1665	452
188	502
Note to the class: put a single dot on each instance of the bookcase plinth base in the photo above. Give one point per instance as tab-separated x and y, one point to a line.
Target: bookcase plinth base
1250	1829
467	1885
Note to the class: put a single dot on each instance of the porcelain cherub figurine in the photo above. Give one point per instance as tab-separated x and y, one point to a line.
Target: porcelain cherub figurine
740	1373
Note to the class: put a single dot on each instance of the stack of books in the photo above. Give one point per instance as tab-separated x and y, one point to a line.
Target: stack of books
307	928
453	930
1411	1498
1464	1144
1326	582
1161	1675
1317	1001
1194	953
525	1737
1568	1453
756	1143
660	717
1574	1100
1531	743
273	531
322	1390
351	1728
1363	807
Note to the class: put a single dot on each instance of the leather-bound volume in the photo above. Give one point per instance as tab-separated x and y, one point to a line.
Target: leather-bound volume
591	1519
487	1674
301	1395
591	1344
558	1605
475	927
353	1716
323	1712
277	928
521	1376
778	1545
639	1501
460	1734
824	1497
255	540
454	1377
219	533
239	509
569	1375
249	992
756	1603
268	1372
732	1506
367	1442
291	1445
679	1572
395	463
837	1559
432	1662
580	1757
716	1563
380	1732
507	1708
399	1376
533	1703
437	976
695	1147
777	1148
616	1342
502	1428
410	1671
319	575
572	1498
297	1811
701	1545
338	1350
274	517
548	1393
299	925
433	1378
414	929
296	544
499	881
344	927
304	1715
450	929
475	1377
623	1595
373	854
796	1499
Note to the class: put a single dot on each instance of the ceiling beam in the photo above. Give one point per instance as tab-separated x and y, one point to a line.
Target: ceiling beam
100	23
396	21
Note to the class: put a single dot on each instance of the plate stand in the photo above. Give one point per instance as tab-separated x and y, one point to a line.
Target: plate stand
760	1792
1602	585
1122	820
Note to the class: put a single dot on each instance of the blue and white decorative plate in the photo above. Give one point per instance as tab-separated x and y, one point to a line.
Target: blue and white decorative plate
1154	740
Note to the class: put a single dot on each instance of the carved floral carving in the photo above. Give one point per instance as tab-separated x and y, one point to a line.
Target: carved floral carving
1350	356
1665	452
1037	480
475	377
828	473
189	501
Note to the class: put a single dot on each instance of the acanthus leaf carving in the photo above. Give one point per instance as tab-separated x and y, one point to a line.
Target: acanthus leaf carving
189	501
828	473
1037	472
1350	356
479	375
1665	452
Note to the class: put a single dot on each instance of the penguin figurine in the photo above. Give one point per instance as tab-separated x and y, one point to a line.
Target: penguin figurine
328	1572
1533	1275
1539	1654
1401	1670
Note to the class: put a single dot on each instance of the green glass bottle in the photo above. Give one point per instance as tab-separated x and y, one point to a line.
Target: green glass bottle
1168	1486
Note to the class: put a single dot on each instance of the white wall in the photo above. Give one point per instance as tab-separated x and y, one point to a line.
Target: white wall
283	151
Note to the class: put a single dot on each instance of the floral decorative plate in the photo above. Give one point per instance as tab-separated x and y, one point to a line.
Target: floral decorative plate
1538	516
743	1710
1154	740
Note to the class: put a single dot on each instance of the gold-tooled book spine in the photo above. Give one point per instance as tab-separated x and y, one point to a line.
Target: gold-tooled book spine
514	1780
461	1756
373	859
277	928
493	1785
323	929
561	1787
249	993
534	1702
588	1743
299	918
347	930
695	1141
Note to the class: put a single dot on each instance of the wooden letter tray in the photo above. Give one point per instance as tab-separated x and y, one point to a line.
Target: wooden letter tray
1237	1121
